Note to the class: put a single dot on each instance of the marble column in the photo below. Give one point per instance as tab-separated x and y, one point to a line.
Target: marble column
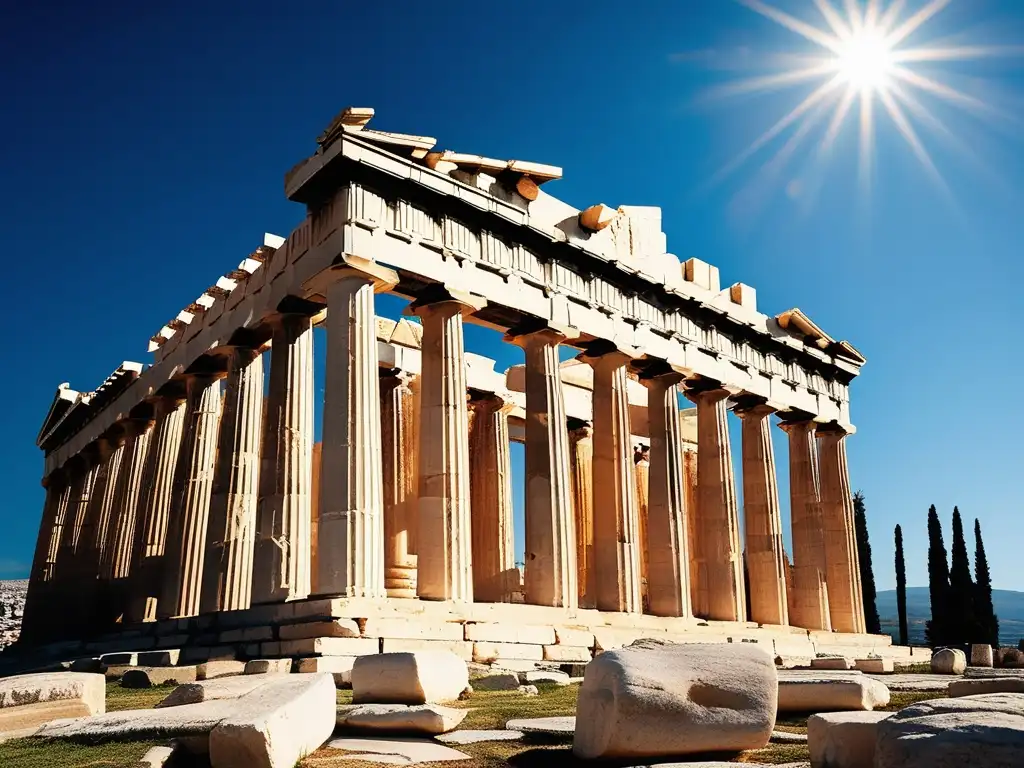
616	523
398	436
147	559
445	554
94	597
642	480
810	607
37	596
491	496
282	564
845	599
581	461
116	565
83	480
690	484
668	551
720	593
230	532
762	518
350	525
550	566
190	500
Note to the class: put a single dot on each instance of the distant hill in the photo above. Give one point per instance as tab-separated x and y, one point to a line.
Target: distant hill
1009	607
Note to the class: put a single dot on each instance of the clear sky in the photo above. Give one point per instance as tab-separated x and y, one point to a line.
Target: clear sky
143	148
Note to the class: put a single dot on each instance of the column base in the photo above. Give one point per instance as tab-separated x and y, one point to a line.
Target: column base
400	581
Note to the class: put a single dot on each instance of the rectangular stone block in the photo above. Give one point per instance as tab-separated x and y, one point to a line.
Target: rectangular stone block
210	670
271	648
147	677
566	653
167	658
120	659
874	666
246	635
461	648
330	646
333	628
401	628
175	640
574	636
495	651
510	633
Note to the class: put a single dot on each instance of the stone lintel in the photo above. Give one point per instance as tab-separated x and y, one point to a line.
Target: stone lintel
437	294
295	305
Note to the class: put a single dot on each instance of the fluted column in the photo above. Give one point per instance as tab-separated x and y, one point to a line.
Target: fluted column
762	518
491	493
37	598
147	559
350	525
230	532
550	577
116	564
190	501
581	461
720	593
616	523
810	607
845	599
445	555
282	564
690	484
400	461
83	480
642	480
668	551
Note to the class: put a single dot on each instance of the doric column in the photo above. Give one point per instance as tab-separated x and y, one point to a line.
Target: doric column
444	554
83	479
616	523
766	559
190	500
116	564
668	551
350	525
642	480
719	593
809	609
491	493
282	563
398	436
230	532
845	599
33	622
154	504
581	460
550	577
690	483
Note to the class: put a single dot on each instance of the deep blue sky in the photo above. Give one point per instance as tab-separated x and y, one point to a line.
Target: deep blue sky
143	147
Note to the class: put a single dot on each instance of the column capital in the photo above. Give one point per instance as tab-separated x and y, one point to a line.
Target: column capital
835	429
396	376
796	421
753	406
445	298
579	427
608	353
491	402
538	330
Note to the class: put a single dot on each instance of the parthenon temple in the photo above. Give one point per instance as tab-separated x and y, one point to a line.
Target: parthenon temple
190	505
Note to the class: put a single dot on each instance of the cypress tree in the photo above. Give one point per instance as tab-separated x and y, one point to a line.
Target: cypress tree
937	630
963	628
983	607
901	588
867	573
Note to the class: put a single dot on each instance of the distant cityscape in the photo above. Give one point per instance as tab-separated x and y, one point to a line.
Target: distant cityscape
1009	607
12	606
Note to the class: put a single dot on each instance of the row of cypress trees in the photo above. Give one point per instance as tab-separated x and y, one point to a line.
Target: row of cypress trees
962	610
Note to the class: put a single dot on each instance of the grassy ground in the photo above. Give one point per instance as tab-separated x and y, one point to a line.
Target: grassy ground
487	710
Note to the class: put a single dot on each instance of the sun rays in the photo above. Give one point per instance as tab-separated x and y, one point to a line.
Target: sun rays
866	70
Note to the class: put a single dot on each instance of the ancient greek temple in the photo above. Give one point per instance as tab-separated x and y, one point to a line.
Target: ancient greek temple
188	504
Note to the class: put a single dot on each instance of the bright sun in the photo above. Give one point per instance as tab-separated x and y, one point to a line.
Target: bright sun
866	61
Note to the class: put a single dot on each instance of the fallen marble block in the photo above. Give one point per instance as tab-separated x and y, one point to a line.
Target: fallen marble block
476	737
396	751
339	666
552	726
655	699
499	681
826	694
210	670
971	731
211	690
949	661
147	677
29	701
978	686
276	725
268	666
167	658
419	718
420	677
843	739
